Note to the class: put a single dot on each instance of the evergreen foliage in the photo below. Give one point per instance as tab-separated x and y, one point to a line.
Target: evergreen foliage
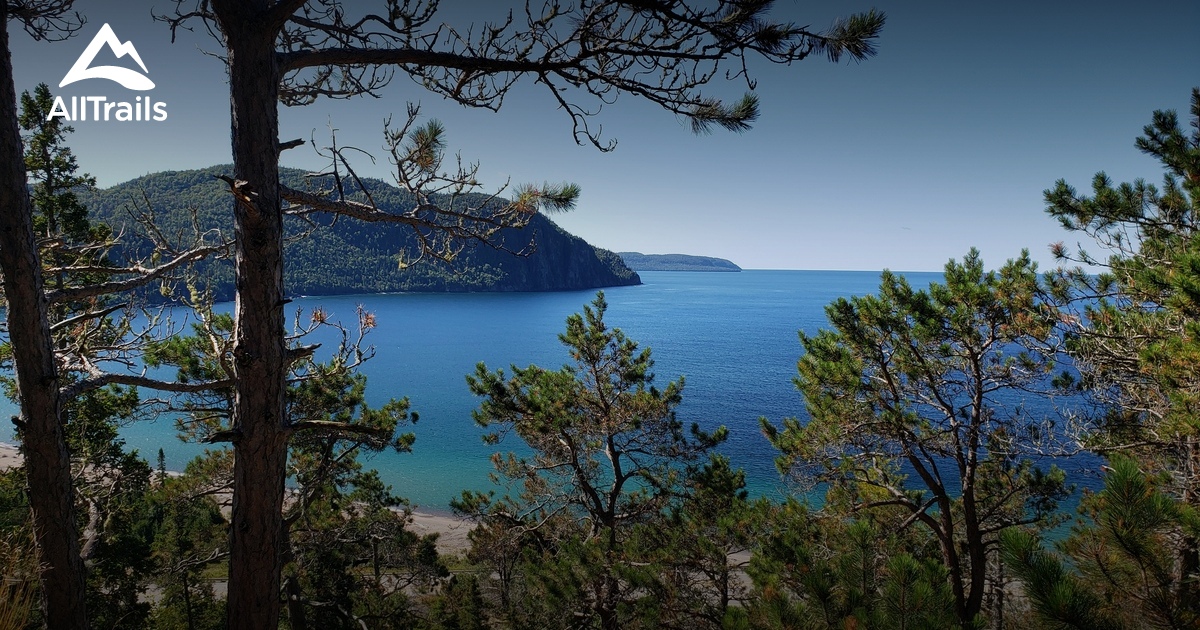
701	548
350	558
110	485
1121	566
825	571
608	456
916	380
1135	326
54	170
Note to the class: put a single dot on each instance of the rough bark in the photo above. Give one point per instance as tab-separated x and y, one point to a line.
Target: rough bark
260	449
47	463
976	557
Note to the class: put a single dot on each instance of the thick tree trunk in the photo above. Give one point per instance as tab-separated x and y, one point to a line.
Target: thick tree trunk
976	555
952	561
260	449
47	463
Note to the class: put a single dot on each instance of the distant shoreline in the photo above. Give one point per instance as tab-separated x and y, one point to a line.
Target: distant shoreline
639	262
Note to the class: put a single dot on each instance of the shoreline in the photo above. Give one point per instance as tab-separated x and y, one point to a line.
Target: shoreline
451	530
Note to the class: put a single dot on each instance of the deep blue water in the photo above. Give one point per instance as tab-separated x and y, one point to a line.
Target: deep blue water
731	335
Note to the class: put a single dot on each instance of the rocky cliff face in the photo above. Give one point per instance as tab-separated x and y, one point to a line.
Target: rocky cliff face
347	256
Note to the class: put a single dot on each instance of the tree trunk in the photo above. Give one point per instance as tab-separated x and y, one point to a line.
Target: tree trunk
260	448
1189	548
297	620
952	561
47	463
976	556
606	605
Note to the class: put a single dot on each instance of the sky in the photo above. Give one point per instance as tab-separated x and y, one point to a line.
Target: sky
942	142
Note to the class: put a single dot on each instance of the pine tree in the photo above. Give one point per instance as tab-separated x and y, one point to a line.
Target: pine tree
915	378
608	455
110	484
47	464
1136	324
697	553
351	559
815	570
190	538
1120	569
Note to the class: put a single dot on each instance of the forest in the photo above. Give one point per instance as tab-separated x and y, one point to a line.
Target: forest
930	503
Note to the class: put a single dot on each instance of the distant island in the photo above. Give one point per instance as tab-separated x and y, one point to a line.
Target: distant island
347	257
675	262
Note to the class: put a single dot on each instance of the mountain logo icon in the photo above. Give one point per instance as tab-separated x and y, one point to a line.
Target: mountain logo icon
128	78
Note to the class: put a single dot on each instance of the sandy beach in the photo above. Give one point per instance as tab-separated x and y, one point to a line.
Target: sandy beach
10	457
451	531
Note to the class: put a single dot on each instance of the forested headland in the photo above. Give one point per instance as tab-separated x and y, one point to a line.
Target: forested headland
348	257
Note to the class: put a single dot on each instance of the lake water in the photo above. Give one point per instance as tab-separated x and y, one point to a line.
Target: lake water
731	335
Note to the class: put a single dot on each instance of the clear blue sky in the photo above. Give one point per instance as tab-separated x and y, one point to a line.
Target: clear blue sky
942	142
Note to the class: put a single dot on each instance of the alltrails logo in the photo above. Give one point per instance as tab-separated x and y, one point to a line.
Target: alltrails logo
101	107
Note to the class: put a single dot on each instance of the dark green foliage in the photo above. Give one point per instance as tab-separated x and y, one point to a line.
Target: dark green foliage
114	503
926	380
110	485
1135	335
69	237
52	166
1136	324
608	456
1121	569
352	557
117	515
1059	598
345	257
699	551
14	506
460	606
820	571
190	540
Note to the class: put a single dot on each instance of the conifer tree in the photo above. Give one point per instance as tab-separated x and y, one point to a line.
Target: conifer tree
44	445
608	455
351	560
814	570
64	322
916	380
1135	325
110	485
698	553
1121	569
189	539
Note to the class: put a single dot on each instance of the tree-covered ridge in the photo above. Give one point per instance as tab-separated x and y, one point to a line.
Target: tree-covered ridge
346	257
675	262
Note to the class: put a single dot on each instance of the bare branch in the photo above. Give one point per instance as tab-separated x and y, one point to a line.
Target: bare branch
144	276
135	380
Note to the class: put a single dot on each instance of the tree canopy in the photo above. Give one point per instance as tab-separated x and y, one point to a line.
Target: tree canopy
928	384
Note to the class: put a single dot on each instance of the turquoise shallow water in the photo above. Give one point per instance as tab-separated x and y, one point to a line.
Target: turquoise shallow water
732	335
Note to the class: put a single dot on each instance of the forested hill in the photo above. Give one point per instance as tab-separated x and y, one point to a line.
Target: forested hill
350	256
675	262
